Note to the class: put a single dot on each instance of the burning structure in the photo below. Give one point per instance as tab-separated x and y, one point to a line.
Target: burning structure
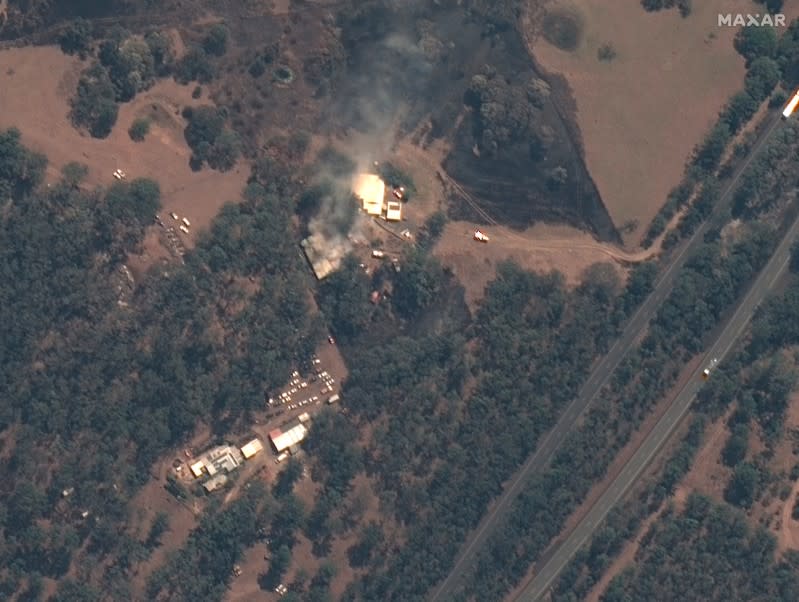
323	257
371	190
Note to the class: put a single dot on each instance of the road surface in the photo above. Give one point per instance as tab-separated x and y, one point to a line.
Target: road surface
598	378
545	577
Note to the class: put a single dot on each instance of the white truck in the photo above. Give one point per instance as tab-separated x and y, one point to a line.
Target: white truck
333	398
480	237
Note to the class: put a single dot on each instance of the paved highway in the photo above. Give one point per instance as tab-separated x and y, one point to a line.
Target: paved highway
599	377
545	577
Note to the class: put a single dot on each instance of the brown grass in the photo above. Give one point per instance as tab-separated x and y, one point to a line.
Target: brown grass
541	248
35	86
642	113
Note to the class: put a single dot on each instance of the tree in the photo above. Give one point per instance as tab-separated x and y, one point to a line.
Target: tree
735	449
216	40
74	173
94	105
740	110
157	529
225	151
762	76
139	129
794	265
163	54
361	553
288	477
194	66
742	488
756	42
77	37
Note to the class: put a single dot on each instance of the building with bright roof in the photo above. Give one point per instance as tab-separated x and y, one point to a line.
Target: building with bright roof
394	211
250	449
197	468
221	459
371	190
284	439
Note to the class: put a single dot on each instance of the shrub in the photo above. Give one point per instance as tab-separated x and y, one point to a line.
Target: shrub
139	129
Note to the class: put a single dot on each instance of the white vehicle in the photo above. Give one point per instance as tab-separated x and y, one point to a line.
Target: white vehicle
333	398
706	372
184	229
281	457
378	254
186	222
480	237
119	174
174	216
406	234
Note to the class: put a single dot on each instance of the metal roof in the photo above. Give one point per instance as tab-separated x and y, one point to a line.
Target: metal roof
286	439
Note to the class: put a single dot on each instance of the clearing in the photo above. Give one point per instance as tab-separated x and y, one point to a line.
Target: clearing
641	113
542	248
38	106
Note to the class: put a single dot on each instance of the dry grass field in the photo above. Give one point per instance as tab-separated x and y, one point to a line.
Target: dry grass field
35	86
641	114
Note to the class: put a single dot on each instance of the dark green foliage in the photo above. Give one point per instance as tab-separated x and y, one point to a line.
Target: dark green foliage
345	300
707	552
288	477
94	106
77	37
194	66
162	52
505	113
204	566
130	65
416	285
215	42
708	154
788	55
684	6
395	177
756	42
735	449
795	258
139	129
739	110
761	77
74	173
371	538
157	529
21	170
209	140
742	488
118	386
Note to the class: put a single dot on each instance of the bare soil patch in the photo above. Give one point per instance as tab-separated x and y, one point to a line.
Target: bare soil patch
641	114
36	84
541	248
